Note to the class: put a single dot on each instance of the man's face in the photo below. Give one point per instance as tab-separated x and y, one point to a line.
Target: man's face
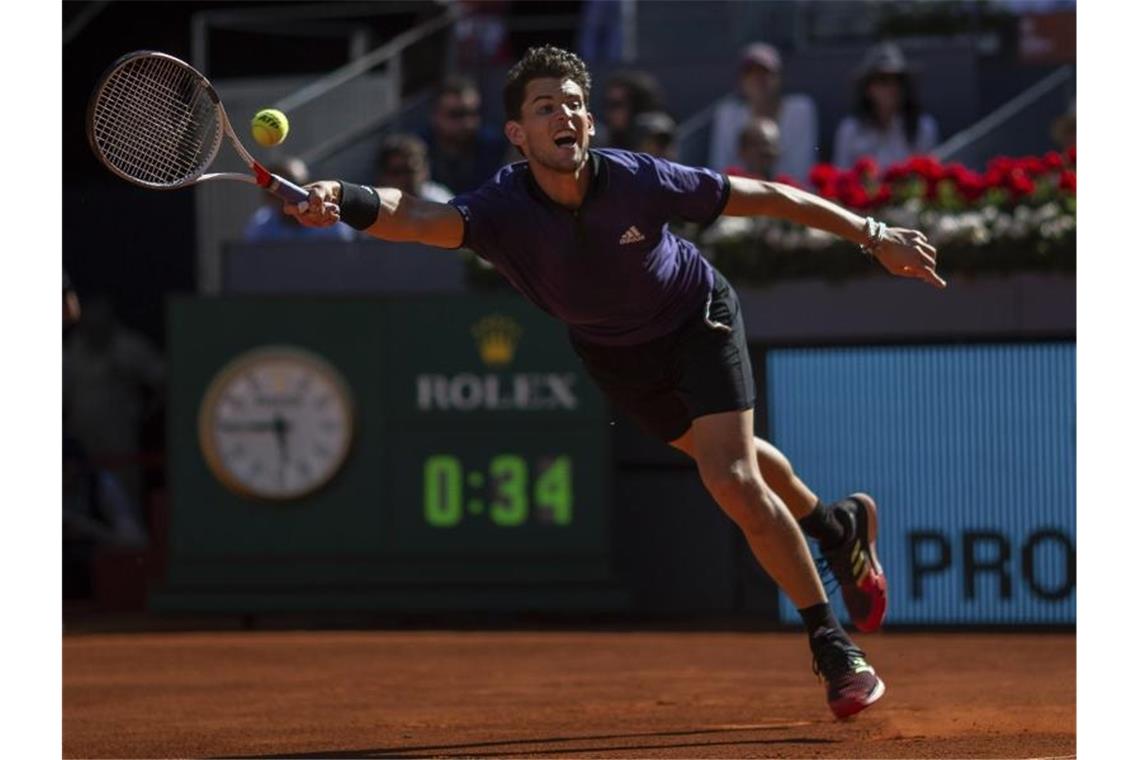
885	92
617	108
554	129
759	85
456	118
404	172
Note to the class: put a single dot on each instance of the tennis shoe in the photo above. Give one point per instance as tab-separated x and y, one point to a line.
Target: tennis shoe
855	564
852	684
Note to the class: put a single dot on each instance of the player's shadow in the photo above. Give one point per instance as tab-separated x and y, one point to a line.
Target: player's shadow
503	748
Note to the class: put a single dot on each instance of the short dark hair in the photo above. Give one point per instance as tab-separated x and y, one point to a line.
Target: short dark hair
540	63
456	84
643	90
400	144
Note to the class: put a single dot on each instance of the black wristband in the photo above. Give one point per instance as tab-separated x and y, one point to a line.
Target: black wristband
359	205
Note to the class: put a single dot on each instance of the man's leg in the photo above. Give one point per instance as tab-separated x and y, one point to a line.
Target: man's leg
724	449
846	532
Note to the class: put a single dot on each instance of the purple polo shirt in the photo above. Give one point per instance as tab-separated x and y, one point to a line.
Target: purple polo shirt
611	270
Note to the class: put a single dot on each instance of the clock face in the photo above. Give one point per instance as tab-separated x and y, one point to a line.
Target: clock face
276	423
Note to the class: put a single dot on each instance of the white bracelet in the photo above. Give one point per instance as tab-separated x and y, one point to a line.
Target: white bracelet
874	230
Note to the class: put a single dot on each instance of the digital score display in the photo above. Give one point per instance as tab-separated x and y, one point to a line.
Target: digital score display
510	490
500	493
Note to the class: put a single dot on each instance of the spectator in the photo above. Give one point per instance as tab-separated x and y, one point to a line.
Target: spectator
760	95
270	223
1064	128
601	30
655	132
758	149
402	163
462	153
627	94
888	124
112	378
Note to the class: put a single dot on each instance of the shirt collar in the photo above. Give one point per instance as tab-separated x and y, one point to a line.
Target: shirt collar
599	179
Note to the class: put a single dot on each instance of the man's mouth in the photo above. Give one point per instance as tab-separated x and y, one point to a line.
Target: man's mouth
565	140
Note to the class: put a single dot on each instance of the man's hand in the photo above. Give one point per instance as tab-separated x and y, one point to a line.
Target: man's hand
906	253
323	207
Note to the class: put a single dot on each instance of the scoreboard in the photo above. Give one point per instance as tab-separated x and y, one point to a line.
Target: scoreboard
418	452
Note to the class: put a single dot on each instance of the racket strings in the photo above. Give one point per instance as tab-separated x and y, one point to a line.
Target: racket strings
155	122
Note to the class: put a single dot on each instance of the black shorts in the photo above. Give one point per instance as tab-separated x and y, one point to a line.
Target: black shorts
700	368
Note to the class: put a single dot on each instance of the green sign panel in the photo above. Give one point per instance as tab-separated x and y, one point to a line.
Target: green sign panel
382	453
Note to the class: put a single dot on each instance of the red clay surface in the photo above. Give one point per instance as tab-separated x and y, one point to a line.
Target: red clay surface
577	694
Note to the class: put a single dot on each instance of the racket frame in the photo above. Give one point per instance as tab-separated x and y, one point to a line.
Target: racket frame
260	176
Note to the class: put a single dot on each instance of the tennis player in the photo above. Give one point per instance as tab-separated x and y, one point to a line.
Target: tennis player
582	233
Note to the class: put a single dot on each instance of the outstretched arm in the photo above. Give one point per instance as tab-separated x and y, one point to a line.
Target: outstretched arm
400	217
901	252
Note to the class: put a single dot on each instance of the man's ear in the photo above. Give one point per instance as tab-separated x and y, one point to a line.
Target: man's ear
515	134
590	121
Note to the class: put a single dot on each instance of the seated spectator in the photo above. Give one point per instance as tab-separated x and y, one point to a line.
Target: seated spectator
463	154
269	223
888	124
759	149
760	95
402	163
1064	128
97	512
627	94
655	133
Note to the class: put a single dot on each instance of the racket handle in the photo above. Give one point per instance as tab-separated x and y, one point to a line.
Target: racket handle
286	190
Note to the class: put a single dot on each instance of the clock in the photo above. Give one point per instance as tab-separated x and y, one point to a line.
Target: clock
276	423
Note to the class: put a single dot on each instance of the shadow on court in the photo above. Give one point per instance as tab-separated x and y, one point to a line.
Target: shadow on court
540	748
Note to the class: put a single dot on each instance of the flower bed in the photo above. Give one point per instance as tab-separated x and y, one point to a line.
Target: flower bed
1018	215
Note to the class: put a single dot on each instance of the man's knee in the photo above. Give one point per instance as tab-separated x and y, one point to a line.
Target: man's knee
740	491
774	466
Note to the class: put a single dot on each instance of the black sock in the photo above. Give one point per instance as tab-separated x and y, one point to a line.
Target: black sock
825	525
819	616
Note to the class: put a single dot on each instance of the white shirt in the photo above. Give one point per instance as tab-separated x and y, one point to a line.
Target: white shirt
855	138
799	135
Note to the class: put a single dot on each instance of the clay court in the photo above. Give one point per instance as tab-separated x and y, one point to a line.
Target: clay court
565	694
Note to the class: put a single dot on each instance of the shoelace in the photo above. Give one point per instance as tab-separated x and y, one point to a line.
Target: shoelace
831	582
834	660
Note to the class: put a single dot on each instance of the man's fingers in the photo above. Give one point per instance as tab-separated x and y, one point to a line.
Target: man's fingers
928	248
927	259
932	277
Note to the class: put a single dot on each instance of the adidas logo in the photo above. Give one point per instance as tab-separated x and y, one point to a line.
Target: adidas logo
632	235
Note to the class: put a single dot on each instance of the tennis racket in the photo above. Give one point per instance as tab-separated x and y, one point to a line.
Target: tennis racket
157	122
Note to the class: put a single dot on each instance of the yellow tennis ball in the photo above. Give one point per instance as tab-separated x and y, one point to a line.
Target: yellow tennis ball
269	126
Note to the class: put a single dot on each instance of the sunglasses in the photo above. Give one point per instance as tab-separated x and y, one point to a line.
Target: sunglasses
461	113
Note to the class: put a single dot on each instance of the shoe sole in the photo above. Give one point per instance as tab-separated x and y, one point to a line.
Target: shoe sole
871	510
846	708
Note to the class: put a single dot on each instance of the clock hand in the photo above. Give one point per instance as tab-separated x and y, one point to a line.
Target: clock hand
258	426
281	432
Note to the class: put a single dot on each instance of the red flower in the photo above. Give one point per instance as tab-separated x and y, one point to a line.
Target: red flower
822	174
882	196
1033	166
957	172
1019	183
829	190
1054	160
857	197
926	166
1068	181
1071	154
865	167
896	172
1000	165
